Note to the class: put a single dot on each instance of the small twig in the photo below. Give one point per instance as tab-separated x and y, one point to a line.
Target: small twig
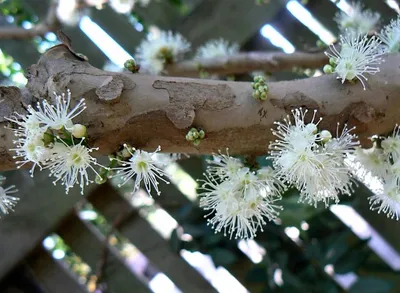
49	24
248	62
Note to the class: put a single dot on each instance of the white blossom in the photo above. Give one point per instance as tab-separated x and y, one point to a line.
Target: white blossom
27	125
154	53
7	201
372	161
126	6
33	131
358	20
390	36
387	201
216	48
31	149
391	144
239	200
382	161
314	165
358	55
58	116
223	166
143	167
69	12
70	164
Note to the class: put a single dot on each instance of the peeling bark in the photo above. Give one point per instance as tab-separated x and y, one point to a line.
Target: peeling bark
147	111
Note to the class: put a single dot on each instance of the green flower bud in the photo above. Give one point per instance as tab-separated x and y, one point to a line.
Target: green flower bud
202	134
78	130
332	61
131	65
196	142
325	136
100	179
263	96
328	69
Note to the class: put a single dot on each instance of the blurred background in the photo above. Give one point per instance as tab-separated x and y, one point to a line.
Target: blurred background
111	241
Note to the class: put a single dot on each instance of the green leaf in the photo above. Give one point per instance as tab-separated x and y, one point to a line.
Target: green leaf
350	262
292	280
371	285
194	230
257	274
175	242
223	257
212	240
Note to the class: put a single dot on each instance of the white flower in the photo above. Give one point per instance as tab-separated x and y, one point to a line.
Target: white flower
387	201
31	150
223	166
391	144
70	164
372	161
27	125
314	165
142	166
390	36
358	21
7	201
58	116
216	48
154	53
358	56
126	6
238	207
69	12
122	6
238	199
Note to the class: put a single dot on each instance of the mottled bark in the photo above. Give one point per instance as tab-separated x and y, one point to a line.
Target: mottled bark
147	111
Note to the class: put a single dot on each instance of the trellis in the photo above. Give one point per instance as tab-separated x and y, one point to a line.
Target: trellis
38	215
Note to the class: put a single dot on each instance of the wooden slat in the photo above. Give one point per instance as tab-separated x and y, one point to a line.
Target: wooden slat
380	222
325	11
380	6
234	20
40	208
293	30
149	242
52	275
119	28
90	248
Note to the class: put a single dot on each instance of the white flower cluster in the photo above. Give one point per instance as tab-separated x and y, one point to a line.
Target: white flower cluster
312	160
155	52
238	199
46	137
143	166
7	201
216	48
358	55
126	6
357	20
390	36
384	163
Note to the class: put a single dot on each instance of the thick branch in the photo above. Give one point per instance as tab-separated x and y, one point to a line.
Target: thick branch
49	24
247	62
147	111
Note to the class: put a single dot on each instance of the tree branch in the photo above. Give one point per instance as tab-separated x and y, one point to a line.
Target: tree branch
247	62
147	111
50	23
